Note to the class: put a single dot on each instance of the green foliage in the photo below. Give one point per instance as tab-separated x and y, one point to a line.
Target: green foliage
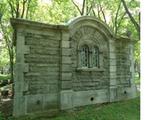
57	12
4	77
4	58
137	80
60	11
127	110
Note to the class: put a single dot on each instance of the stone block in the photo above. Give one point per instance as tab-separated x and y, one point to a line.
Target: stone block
113	94
112	55
65	36
26	67
112	49
113	81
66	76
66	68
65	44
19	105
34	103
66	60
82	98
50	101
126	92
26	49
37	58
66	51
65	85
112	68
50	34
66	99
35	41
20	43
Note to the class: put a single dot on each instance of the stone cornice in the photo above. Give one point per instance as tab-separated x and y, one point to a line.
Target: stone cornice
33	24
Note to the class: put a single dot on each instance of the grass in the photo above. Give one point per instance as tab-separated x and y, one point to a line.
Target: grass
125	110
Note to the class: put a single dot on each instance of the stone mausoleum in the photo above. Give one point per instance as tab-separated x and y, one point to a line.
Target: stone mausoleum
60	67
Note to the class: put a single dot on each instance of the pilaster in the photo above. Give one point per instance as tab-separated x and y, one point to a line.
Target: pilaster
113	83
19	107
66	72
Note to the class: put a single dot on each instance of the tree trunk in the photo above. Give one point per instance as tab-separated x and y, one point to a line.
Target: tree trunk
131	17
77	7
116	18
12	64
83	7
2	71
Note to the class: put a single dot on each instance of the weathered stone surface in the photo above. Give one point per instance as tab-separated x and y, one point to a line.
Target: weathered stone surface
66	52
66	85
66	60
66	44
66	68
81	98
66	76
49	74
66	99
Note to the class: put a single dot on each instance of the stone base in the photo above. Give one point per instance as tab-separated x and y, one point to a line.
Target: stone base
118	93
125	93
71	99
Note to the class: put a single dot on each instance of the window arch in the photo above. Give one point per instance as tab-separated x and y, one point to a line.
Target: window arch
84	56
95	57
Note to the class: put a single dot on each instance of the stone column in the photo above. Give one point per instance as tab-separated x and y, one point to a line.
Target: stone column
66	72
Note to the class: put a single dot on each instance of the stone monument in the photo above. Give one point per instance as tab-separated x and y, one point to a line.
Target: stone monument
59	67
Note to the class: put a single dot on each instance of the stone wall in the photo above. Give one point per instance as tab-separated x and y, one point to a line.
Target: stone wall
123	63
43	75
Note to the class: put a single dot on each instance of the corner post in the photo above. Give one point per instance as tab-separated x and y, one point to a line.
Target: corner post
19	103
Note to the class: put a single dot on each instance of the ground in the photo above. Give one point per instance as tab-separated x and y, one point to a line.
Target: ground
124	110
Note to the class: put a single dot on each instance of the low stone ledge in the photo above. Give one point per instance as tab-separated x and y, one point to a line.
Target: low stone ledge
91	69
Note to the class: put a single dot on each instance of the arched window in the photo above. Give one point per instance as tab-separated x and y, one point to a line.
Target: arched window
89	58
95	57
84	56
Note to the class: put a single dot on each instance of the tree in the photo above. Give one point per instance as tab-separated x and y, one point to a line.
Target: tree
120	15
4	58
17	9
136	25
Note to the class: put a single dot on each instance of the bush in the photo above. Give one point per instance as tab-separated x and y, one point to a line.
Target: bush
4	80
4	77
